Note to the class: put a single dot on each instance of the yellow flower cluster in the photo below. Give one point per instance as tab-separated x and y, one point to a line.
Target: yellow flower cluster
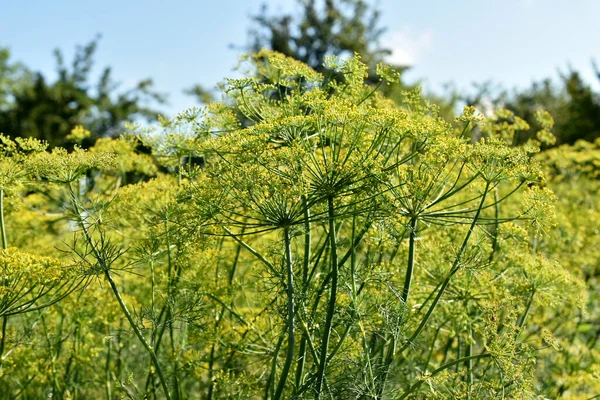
78	134
27	279
60	166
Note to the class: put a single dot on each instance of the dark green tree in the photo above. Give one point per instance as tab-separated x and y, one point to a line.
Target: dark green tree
319	29
13	77
580	117
32	106
340	28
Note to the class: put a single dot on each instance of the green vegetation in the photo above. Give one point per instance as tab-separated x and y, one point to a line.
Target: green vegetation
322	232
334	245
31	106
572	102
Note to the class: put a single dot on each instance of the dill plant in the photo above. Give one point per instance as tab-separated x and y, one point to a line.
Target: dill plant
28	282
329	163
330	244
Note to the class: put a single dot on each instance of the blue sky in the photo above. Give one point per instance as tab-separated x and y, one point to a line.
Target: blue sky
182	42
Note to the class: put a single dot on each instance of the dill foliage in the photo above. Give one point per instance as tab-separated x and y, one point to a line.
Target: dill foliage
303	238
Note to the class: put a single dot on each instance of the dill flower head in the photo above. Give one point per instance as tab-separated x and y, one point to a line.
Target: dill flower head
498	162
552	284
127	159
539	208
286	70
503	125
78	134
25	279
13	157
59	166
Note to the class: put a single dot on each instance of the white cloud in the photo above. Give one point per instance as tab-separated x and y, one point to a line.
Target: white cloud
407	46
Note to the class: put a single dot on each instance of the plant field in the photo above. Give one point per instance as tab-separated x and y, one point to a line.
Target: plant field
303	238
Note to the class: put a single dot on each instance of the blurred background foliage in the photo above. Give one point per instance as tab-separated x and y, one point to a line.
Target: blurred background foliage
33	106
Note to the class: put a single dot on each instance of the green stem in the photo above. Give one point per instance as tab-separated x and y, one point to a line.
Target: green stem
354	312
417	384
4	246
179	168
250	249
2	226
211	365
496	226
458	350
370	94
410	264
117	294
138	332
432	348
453	270
290	309
107	372
170	290
527	309
301	360
307	243
305	274
354	299
469	363
152	300
271	380
332	298
3	340
447	348
53	353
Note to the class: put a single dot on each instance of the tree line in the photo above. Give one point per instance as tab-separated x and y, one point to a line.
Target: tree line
33	105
